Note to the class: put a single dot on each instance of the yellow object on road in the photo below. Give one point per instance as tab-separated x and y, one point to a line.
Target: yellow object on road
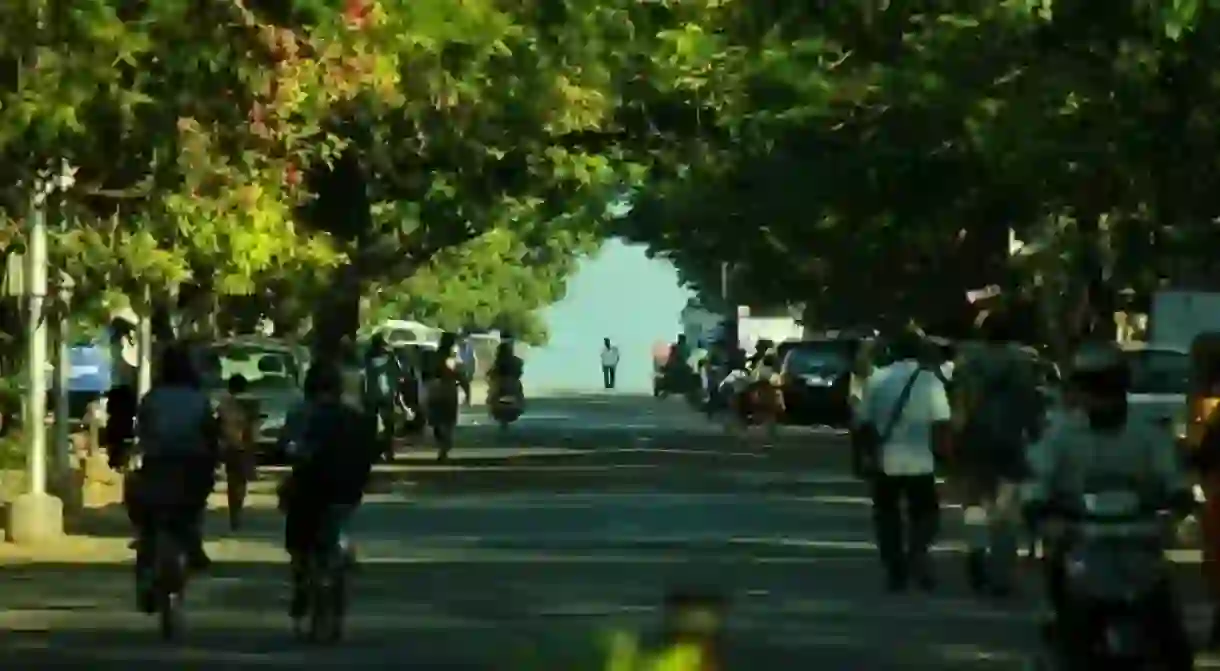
627	654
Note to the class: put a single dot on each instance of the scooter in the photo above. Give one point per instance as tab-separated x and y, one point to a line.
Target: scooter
507	403
675	379
1111	580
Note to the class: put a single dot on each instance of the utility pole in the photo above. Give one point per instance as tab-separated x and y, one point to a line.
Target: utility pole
36	352
63	377
36	516
730	310
144	344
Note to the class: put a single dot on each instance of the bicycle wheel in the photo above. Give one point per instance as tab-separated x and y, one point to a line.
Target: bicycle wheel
168	582
324	611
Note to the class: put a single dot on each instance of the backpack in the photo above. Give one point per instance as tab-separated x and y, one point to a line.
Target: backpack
381	379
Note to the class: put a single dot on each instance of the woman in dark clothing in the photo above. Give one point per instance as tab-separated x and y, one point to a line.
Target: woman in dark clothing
440	374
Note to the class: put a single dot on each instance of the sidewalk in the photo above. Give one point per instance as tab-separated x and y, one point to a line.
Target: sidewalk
100	533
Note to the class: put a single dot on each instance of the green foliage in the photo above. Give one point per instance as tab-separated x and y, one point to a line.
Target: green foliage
496	281
236	145
886	150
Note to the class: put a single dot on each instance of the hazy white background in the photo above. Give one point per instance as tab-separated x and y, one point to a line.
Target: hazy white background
619	294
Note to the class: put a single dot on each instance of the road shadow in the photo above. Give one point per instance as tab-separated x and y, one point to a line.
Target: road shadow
491	613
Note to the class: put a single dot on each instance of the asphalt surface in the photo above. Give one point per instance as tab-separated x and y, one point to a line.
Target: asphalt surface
532	542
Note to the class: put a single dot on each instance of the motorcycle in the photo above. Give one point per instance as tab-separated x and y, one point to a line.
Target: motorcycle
507	401
1112	580
675	379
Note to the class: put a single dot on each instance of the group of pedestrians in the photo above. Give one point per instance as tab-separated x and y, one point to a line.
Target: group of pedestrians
983	424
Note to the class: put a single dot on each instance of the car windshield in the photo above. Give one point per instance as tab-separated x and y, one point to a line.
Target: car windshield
818	358
395	336
263	367
1159	372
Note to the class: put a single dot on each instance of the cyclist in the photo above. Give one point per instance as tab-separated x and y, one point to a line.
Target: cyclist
179	443
331	468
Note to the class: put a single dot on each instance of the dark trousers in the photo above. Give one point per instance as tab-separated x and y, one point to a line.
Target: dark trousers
464	381
608	376
903	537
241	468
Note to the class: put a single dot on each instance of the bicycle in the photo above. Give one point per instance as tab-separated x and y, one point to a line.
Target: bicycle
324	583
166	584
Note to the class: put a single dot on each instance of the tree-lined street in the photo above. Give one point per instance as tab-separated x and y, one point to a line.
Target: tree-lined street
518	554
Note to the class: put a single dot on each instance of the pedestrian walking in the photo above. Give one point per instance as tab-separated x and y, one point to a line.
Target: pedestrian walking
610	357
903	425
999	412
237	418
468	363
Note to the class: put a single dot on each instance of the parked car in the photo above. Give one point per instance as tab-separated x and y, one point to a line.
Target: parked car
815	377
274	370
1160	382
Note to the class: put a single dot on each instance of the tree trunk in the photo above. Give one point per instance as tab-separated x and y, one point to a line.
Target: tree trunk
337	315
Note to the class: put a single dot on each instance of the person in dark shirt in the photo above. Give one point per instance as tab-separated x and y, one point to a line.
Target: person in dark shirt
506	371
440	373
329	474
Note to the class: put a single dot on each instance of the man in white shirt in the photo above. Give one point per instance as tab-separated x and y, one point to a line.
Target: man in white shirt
609	363
906	405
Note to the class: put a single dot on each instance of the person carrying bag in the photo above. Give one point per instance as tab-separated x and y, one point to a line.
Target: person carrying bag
901	434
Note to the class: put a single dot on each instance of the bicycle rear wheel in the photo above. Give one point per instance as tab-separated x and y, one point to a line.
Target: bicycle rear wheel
168	582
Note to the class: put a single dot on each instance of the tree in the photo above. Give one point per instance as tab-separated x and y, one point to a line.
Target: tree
507	116
207	133
896	146
496	281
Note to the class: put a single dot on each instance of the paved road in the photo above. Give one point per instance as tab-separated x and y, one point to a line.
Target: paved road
535	540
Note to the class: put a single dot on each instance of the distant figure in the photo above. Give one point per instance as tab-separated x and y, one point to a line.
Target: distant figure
610	358
468	363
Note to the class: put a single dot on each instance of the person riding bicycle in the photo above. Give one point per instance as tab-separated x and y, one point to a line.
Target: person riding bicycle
380	390
1094	447
331	467
178	442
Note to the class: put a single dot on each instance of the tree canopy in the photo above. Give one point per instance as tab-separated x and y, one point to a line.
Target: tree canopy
888	149
232	145
457	158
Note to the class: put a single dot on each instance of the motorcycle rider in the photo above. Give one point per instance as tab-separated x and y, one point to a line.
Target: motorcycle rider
677	373
179	441
336	449
506	371
380	391
1093	446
